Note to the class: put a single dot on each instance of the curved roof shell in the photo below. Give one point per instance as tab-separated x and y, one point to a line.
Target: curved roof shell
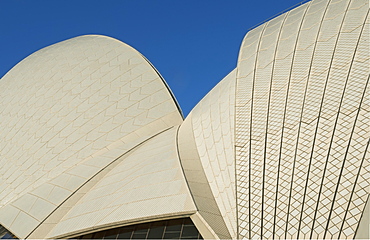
302	104
145	184
206	146
66	106
93	139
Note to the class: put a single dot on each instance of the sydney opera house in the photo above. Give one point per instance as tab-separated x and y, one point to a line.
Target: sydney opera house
94	145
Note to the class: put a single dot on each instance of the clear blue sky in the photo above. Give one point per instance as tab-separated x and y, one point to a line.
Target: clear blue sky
192	43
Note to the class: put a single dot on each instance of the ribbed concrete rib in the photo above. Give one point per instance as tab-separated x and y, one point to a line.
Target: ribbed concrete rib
298	152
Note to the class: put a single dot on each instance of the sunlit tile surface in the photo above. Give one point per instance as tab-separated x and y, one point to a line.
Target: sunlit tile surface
91	138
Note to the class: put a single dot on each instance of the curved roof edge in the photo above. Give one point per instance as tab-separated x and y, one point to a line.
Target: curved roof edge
151	64
166	84
136	110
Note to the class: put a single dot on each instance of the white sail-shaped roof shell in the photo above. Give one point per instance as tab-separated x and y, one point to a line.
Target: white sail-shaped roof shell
68	111
91	137
302	123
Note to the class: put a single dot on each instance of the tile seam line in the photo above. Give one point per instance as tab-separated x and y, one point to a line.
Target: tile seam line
362	215
190	115
87	121
61	89
113	161
354	185
233	132
210	126
285	109
336	121
12	224
182	167
278	14
218	106
251	124
338	182
234	149
267	121
111	117
344	159
301	115
318	118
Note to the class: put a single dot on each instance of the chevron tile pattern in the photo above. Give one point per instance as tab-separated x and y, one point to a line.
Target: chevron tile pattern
300	159
93	141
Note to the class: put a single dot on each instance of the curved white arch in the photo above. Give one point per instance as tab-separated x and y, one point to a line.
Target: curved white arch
66	104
